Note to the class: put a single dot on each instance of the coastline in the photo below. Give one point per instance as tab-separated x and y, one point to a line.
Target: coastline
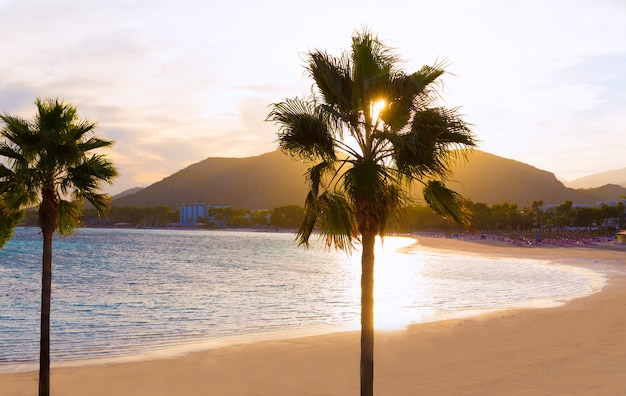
575	349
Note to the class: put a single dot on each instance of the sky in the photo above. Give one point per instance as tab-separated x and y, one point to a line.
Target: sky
542	82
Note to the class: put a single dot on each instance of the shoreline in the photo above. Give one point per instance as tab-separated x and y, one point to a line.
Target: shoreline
400	244
517	351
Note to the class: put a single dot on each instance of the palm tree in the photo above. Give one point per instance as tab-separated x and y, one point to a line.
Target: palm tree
369	131
51	166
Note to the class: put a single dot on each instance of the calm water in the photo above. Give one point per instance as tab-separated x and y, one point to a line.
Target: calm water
128	292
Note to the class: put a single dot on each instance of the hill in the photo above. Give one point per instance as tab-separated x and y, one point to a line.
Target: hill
261	182
130	191
492	179
615	176
273	179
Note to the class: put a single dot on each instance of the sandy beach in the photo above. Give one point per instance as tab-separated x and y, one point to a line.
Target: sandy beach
575	349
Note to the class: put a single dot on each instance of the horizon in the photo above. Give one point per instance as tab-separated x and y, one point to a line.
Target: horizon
173	84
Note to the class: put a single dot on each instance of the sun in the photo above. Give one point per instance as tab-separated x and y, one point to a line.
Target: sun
377	109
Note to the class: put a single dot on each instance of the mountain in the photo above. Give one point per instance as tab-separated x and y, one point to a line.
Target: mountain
492	179
261	182
606	192
615	176
273	179
130	191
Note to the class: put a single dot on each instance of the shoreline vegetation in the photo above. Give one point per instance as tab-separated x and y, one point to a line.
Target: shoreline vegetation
578	348
502	219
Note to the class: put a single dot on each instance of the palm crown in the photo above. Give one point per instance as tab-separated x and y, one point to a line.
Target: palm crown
51	159
370	130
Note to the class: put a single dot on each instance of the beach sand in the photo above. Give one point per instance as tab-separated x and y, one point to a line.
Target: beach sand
575	349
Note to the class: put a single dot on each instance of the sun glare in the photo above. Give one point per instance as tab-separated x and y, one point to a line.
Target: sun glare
394	285
377	109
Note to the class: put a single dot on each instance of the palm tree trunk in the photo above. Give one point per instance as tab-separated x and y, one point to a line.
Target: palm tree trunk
46	290
48	211
367	314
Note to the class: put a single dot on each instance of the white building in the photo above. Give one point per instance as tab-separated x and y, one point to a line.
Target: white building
189	214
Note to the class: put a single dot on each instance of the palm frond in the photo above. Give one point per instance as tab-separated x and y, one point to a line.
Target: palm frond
365	181
333	81
436	137
9	219
94	143
80	131
89	174
21	141
311	212
316	174
17	187
446	203
375	193
426	76
9	152
68	217
399	98
101	202
395	199
303	129
336	221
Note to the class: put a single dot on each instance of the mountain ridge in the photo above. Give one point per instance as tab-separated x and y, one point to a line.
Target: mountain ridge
273	179
614	176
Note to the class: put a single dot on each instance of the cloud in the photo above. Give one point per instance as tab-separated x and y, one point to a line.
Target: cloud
176	82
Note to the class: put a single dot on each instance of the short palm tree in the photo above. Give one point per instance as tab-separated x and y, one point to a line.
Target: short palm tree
370	131
52	165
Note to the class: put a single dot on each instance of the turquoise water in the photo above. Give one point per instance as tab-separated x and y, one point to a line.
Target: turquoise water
123	293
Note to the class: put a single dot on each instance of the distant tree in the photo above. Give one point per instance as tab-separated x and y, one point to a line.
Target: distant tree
142	216
564	213
223	216
420	218
608	212
51	166
538	213
397	135
289	216
481	216
505	216
526	218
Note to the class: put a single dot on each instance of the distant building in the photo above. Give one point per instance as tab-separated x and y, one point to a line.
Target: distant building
190	214
552	207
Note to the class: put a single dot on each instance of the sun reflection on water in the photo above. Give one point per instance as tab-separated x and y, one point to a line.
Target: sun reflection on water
397	276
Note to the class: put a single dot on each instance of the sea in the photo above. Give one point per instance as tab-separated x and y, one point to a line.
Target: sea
123	294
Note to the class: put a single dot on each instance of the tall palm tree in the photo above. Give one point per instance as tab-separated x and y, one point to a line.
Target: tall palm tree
52	166
370	131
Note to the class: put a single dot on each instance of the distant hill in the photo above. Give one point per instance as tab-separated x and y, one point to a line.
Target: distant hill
616	176
261	182
606	192
492	179
273	179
